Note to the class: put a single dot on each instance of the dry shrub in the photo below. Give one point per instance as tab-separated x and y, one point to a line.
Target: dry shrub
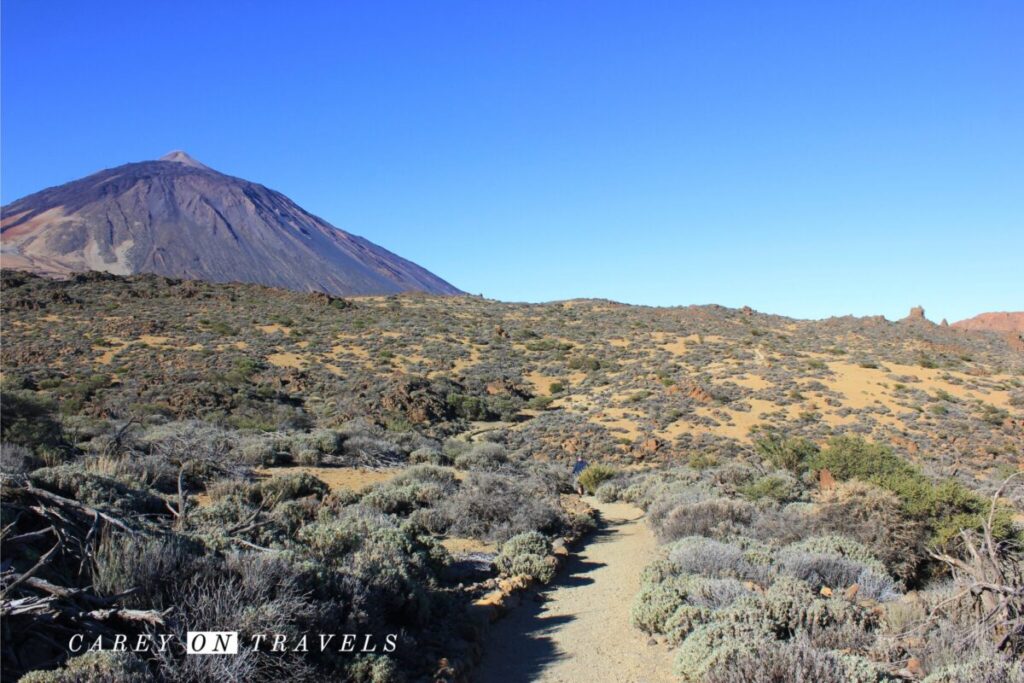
874	517
497	507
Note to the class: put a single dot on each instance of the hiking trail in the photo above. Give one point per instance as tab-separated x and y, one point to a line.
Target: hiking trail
580	632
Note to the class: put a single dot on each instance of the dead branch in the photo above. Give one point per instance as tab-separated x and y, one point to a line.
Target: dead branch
80	508
28	574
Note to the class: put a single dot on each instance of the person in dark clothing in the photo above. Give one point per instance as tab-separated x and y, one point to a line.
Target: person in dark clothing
577	470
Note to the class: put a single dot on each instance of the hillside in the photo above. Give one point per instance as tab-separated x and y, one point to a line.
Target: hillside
179	218
303	463
994	322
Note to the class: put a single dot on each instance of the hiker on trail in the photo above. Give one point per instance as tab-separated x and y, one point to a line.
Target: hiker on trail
577	470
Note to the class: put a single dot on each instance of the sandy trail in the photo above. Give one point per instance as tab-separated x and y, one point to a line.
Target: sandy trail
581	632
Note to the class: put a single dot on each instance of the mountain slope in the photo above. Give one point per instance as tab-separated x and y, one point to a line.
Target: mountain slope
179	218
994	322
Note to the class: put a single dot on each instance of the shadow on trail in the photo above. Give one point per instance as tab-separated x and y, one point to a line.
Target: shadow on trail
520	646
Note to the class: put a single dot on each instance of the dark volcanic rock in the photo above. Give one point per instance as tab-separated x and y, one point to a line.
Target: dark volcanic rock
179	218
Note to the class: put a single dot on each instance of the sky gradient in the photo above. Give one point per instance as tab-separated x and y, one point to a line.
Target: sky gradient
803	158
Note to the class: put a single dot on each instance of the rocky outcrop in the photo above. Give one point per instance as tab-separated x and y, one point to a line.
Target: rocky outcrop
916	315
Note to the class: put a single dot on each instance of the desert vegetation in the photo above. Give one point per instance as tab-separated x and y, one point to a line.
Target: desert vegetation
176	454
871	575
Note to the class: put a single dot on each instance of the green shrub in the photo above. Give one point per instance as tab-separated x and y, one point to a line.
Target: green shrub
711	646
28	420
419	487
780	487
594	475
792	454
697	596
656	602
104	666
850	457
526	553
529	542
945	507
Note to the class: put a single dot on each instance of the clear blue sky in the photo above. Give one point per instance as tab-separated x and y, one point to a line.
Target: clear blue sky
804	158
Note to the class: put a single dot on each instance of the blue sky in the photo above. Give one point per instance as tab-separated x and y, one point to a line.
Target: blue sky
803	158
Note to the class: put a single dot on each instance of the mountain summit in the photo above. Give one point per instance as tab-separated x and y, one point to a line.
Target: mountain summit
178	217
183	158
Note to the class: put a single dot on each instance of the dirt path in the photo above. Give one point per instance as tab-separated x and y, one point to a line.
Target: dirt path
581	632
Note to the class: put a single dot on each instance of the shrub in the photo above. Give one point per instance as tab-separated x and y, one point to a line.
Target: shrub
708	557
526	553
790	606
482	456
945	507
979	671
259	452
373	451
594	475
822	570
657	602
289	487
530	542
72	481
381	564
153	567
837	546
192	440
767	661
608	492
657	571
712	645
875	518
326	441
419	487
309	457
428	474
715	517
105	666
663	499
433	456
849	457
28	420
374	669
251	593
780	487
792	454
493	507
16	459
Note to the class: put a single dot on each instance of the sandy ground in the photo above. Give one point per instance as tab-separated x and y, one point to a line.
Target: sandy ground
581	632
